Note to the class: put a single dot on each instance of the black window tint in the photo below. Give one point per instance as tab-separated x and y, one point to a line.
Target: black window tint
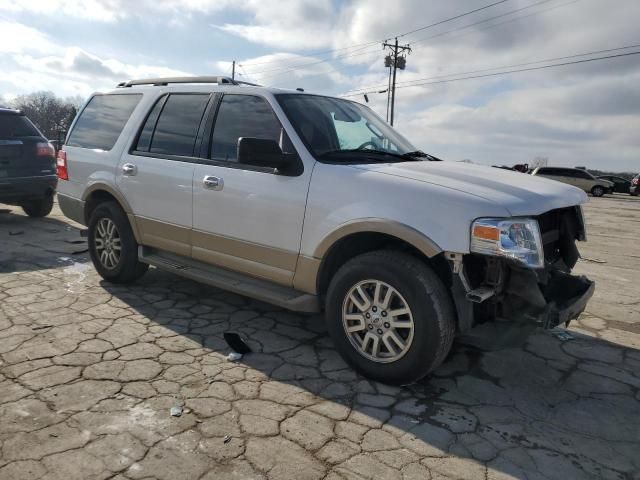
16	126
547	171
144	140
177	127
102	121
242	116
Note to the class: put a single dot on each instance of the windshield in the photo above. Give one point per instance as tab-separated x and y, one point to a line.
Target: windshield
329	126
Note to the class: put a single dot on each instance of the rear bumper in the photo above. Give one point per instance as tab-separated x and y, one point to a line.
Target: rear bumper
72	208
16	190
634	190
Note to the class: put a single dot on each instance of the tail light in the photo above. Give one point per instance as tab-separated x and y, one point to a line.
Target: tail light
61	165
45	149
635	181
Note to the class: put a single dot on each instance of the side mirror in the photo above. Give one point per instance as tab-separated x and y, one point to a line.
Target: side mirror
260	152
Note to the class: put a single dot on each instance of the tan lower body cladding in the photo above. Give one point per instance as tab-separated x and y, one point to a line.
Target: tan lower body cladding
272	264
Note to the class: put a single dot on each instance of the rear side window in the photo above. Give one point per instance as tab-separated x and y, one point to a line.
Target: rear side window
177	126
242	116
16	126
102	121
547	171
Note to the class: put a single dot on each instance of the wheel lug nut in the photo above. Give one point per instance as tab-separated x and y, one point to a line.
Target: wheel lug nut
379	331
370	327
375	309
368	315
386	325
384	313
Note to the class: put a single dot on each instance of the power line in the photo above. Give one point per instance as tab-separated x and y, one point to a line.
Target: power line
452	18
457	29
482	21
376	42
358	53
470	12
457	74
506	72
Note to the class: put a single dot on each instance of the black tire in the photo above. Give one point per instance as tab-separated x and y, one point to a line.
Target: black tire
127	269
38	208
427	298
598	191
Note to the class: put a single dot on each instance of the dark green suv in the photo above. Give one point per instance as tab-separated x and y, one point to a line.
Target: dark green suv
27	165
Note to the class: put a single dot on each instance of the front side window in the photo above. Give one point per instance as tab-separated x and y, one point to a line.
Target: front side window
177	126
102	121
331	125
242	116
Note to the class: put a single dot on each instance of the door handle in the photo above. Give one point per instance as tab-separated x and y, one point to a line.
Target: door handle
129	169
213	183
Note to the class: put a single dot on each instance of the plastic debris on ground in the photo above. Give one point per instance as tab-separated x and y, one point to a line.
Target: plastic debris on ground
236	343
176	411
234	357
562	335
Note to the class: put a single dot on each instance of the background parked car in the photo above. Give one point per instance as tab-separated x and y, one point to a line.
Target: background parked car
27	165
620	185
635	186
576	177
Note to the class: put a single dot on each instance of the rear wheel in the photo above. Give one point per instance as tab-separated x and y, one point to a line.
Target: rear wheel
112	246
390	316
38	208
598	191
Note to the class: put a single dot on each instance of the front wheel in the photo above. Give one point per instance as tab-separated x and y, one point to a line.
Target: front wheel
597	191
112	245
38	208
390	316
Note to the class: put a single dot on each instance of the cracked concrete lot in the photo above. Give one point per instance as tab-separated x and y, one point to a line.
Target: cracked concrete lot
89	372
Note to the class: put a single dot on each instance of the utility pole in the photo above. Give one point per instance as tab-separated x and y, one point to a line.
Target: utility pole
395	61
233	70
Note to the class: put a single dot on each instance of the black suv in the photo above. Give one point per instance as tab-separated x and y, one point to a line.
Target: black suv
27	165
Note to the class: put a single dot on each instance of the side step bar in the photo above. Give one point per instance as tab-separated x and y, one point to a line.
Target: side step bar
232	281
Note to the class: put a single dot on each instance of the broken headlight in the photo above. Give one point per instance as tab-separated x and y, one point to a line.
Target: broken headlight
518	239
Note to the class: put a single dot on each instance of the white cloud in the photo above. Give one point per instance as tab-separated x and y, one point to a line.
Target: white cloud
586	114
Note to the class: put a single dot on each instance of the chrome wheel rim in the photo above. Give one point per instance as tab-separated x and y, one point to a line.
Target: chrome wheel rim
378	321
108	243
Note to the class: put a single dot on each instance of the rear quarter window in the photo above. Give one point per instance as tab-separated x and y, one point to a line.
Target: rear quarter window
102	121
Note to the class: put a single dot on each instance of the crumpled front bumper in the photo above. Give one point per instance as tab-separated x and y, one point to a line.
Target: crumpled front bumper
548	299
567	298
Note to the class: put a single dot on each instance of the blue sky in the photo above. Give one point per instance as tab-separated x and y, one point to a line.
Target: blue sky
579	115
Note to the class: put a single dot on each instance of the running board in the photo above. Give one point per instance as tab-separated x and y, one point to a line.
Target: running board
231	281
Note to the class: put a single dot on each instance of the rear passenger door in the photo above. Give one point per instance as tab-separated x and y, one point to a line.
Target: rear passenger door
250	218
156	175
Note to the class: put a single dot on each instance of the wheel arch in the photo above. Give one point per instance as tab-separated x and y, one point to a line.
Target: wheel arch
98	193
358	237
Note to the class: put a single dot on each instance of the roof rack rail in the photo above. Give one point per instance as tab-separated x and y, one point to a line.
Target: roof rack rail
163	81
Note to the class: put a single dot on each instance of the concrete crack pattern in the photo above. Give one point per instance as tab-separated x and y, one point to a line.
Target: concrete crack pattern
89	372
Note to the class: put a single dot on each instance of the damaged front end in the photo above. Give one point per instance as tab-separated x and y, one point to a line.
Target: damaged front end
518	277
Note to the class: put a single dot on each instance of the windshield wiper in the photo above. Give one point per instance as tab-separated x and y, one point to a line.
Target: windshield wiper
367	151
413	156
421	154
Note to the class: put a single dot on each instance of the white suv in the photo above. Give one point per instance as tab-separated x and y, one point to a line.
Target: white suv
314	203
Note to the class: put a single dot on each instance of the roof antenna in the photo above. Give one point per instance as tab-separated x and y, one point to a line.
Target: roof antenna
366	98
300	89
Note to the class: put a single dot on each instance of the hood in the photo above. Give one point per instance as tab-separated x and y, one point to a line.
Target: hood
520	193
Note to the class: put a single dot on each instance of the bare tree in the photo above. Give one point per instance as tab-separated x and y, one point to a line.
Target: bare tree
52	115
